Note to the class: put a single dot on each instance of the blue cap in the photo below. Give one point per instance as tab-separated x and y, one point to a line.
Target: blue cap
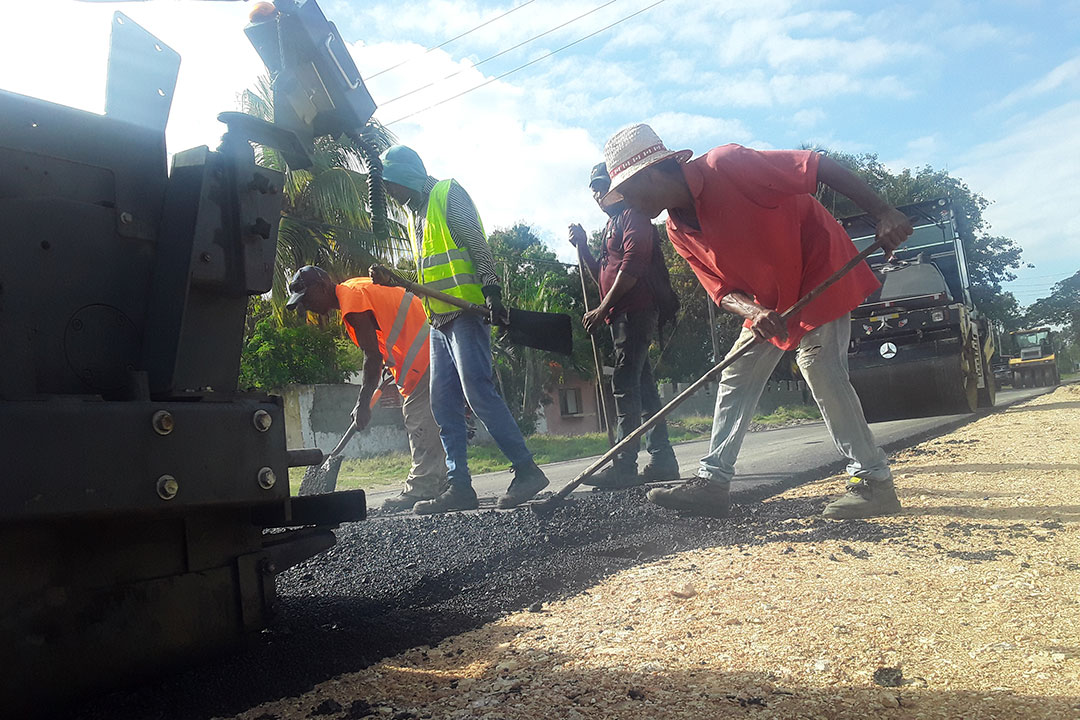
402	166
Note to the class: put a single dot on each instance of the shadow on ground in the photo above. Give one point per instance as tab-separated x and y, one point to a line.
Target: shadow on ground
388	586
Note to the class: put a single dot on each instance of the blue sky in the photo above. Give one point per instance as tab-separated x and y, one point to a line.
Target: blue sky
989	90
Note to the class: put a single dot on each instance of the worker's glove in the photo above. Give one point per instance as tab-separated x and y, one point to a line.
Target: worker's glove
361	414
493	300
381	275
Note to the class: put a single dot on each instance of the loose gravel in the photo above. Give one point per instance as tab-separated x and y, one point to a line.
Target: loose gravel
390	584
630	611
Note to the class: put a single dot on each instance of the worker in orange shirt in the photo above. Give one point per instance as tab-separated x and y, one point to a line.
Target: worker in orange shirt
390	326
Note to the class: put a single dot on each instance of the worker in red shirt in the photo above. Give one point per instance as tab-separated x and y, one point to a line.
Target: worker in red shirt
630	245
390	326
758	240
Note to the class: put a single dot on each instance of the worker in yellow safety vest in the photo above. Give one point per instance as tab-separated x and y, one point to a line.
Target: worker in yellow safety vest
452	256
390	326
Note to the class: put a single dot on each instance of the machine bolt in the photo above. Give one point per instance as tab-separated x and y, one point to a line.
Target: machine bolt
163	422
205	257
267	478
167	487
126	218
267	566
262	420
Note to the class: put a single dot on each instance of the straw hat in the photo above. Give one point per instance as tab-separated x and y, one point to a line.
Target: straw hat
633	149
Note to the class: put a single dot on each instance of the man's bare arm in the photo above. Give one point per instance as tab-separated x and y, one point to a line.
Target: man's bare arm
893	227
623	283
364	327
764	323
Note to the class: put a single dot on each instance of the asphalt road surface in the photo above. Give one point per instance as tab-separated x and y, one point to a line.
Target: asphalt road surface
769	461
403	581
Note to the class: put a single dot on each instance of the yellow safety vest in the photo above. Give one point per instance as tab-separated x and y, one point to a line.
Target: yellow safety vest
440	264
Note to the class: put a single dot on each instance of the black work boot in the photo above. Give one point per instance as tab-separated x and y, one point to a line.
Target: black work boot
528	480
864	498
456	497
400	502
662	467
696	496
615	477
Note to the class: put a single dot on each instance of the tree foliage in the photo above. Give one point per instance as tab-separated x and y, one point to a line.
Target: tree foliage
275	356
991	259
534	279
1060	308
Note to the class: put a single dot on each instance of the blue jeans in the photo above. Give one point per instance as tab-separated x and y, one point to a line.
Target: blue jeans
822	358
460	373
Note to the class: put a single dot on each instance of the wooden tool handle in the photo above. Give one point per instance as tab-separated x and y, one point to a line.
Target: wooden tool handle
714	372
383	275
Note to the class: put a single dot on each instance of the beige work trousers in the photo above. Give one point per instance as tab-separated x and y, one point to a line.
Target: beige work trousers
428	475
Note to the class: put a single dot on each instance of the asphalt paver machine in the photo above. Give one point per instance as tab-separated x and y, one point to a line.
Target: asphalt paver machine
144	504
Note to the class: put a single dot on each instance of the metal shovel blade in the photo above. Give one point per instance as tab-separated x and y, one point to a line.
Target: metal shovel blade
544	331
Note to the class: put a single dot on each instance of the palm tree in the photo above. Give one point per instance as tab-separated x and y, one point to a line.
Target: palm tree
325	219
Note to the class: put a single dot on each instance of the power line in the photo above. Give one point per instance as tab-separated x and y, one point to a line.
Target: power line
456	37
498	54
531	62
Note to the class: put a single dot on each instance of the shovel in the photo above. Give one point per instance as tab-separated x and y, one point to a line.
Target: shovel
550	504
540	330
321	479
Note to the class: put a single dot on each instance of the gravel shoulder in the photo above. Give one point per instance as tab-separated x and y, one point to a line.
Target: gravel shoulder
965	605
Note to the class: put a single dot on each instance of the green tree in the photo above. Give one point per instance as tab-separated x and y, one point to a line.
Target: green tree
276	355
1060	308
534	279
991	259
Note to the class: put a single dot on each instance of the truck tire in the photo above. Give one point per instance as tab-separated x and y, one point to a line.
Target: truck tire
1018	380
987	395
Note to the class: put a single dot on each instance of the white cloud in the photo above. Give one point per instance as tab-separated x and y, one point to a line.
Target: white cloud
518	162
1065	75
808	118
1031	175
216	60
701	132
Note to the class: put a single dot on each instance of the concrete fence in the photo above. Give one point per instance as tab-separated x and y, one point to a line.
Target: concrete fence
318	415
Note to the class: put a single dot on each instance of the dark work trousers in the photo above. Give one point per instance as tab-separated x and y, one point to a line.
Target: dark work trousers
636	397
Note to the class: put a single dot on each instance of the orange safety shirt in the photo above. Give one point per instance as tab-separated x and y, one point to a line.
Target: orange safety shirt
763	233
400	324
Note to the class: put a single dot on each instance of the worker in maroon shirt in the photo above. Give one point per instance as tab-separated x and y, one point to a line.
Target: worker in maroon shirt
629	307
757	239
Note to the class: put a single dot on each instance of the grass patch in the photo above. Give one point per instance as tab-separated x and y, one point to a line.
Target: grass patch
391	469
787	413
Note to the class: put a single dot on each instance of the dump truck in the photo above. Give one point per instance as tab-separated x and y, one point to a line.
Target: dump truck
1034	363
919	346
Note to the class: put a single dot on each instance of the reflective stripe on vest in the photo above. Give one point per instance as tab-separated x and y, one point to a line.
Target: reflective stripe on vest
399	324
419	343
440	264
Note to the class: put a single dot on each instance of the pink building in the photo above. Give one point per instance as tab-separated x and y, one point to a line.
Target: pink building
573	409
